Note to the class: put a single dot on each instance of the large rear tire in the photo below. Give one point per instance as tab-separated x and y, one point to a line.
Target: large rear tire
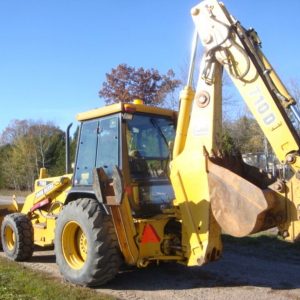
86	246
17	237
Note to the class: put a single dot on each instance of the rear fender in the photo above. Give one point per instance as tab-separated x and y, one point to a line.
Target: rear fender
77	194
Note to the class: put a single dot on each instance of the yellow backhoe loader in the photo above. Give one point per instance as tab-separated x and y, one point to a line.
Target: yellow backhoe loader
130	201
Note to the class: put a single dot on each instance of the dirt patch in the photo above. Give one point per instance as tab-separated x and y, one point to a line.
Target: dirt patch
263	268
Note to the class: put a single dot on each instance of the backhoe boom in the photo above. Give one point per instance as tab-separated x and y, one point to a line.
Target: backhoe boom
213	190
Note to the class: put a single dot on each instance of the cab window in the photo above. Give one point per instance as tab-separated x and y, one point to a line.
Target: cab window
98	147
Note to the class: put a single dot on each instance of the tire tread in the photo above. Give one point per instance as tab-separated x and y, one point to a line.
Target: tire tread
106	257
23	230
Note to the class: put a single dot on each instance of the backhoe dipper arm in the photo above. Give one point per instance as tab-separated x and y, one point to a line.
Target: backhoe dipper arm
228	43
209	194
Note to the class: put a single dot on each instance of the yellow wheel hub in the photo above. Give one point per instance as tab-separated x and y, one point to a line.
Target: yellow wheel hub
74	245
10	238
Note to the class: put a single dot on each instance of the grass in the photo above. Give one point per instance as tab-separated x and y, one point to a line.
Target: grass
18	282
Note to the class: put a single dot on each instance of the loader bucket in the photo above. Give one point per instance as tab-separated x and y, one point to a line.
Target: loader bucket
7	208
239	206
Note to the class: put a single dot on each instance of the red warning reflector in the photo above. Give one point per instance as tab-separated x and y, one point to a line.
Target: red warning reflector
128	190
150	235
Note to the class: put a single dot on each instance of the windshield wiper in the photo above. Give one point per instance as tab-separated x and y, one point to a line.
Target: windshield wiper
156	126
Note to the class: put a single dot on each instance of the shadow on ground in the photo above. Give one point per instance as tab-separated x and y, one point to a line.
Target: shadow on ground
263	261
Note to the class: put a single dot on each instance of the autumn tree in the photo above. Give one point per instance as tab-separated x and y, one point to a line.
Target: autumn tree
246	134
125	83
4	154
32	145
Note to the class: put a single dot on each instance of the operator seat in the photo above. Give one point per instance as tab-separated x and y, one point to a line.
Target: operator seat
138	165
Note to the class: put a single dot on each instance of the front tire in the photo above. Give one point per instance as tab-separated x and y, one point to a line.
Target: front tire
86	246
17	237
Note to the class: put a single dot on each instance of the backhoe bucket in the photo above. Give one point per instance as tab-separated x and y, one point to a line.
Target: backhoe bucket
240	207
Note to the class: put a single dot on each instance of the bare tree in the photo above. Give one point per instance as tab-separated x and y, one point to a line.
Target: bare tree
294	89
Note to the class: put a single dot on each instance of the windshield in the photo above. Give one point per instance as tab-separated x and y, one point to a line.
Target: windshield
148	139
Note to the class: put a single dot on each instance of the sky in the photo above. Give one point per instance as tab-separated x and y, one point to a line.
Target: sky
54	53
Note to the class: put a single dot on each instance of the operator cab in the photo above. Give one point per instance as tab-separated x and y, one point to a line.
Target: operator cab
148	142
136	138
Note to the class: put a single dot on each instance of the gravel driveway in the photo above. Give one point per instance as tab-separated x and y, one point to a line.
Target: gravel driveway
244	272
